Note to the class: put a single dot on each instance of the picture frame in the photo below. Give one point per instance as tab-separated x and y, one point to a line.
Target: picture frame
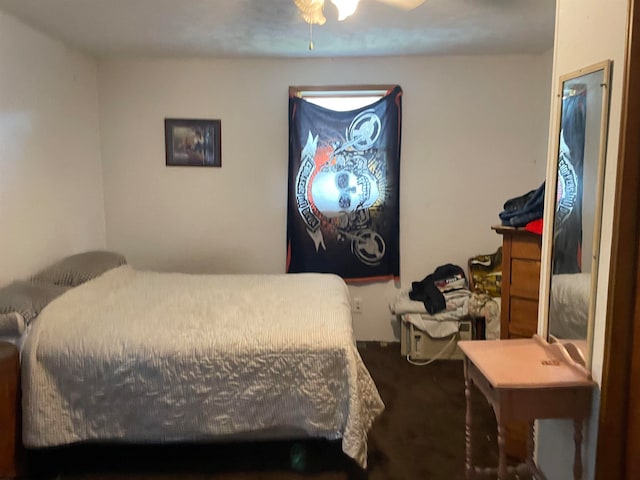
192	142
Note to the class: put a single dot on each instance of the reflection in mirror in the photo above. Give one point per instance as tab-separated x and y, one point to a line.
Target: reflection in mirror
578	204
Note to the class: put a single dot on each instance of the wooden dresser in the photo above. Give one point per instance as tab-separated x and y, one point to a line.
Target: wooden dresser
520	288
520	282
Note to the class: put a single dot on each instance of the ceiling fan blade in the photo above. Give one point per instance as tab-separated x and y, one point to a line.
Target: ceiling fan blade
404	4
311	11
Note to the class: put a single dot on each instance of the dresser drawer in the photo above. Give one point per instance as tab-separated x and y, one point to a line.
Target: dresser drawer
523	317
525	278
526	247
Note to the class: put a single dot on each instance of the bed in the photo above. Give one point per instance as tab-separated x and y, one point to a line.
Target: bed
144	357
569	305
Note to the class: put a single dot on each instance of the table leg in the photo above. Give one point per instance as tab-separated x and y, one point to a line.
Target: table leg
531	446
502	454
468	467
577	459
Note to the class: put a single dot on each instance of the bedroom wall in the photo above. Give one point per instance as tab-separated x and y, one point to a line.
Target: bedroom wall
474	134
587	32
51	198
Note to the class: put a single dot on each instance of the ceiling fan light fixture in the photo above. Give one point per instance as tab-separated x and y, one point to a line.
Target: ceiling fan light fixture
311	11
345	8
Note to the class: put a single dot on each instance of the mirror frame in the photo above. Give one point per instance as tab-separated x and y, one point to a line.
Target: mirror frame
552	172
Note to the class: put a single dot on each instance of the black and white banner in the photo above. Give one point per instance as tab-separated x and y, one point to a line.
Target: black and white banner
343	206
567	233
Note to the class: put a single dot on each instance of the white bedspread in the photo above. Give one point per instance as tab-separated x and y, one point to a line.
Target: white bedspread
161	357
569	305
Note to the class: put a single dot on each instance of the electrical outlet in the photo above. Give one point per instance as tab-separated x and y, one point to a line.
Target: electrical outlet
357	305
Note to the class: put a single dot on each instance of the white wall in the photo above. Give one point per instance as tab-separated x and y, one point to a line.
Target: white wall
474	134
51	200
587	32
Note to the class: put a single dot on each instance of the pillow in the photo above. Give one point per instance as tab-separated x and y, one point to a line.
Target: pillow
27	298
11	324
76	269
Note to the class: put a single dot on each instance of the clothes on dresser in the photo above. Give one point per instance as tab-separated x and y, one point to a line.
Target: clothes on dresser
521	210
535	226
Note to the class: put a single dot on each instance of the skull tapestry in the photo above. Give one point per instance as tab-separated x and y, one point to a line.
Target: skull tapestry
343	208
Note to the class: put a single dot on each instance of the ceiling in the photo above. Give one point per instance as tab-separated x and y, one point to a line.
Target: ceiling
273	28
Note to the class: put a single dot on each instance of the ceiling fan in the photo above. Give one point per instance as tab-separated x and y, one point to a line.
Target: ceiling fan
312	10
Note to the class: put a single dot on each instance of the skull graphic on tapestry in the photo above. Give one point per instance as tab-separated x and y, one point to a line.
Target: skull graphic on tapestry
343	208
568	219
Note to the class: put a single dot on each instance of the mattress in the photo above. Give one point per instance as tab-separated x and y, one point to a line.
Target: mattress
146	357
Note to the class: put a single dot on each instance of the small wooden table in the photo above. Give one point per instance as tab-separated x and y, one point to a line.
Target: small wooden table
525	379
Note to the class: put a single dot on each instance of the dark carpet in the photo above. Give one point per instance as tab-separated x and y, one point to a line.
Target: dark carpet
420	435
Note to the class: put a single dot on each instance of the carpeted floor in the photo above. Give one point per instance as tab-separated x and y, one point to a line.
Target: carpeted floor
419	436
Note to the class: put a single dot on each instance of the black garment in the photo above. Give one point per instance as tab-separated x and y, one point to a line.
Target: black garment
447	271
518	203
426	291
567	229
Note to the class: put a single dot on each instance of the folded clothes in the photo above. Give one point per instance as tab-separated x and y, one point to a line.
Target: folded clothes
403	304
521	210
454	282
430	290
457	306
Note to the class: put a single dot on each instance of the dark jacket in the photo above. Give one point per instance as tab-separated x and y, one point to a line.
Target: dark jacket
521	210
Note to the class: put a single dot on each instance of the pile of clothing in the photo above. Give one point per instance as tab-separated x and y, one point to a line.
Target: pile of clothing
485	306
485	282
485	273
437	303
446	285
525	211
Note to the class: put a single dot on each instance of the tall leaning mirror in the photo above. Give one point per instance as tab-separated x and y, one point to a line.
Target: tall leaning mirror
583	119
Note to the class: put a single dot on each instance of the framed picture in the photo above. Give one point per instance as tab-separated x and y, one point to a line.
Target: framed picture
192	142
